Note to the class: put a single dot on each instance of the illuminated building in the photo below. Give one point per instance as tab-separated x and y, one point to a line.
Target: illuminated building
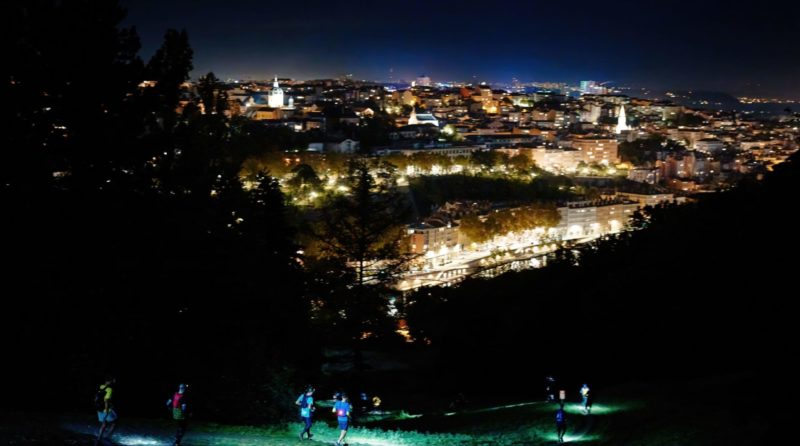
275	99
622	123
422	118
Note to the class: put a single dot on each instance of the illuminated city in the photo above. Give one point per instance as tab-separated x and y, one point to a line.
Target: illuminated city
390	224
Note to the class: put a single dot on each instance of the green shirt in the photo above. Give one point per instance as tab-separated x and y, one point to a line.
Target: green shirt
109	393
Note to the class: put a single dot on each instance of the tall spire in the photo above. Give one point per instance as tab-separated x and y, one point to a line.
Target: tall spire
622	122
275	98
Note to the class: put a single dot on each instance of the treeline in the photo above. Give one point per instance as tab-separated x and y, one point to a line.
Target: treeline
136	251
482	228
133	248
436	190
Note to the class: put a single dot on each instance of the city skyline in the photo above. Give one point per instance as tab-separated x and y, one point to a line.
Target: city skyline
679	46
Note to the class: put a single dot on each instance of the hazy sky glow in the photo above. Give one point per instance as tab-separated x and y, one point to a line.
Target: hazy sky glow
711	45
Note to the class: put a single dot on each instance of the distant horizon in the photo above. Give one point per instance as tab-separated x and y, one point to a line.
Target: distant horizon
627	89
682	45
572	81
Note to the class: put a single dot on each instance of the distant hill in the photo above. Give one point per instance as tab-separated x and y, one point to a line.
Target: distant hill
712	100
698	99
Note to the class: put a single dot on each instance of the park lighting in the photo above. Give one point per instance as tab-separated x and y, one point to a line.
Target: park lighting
136	440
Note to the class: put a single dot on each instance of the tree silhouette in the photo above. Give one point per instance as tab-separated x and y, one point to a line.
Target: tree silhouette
359	234
207	88
221	101
521	163
169	68
304	175
168	249
69	87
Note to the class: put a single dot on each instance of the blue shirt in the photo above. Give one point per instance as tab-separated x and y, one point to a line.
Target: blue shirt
305	412
342	409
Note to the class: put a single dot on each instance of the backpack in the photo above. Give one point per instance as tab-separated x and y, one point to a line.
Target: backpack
559	416
100	399
303	401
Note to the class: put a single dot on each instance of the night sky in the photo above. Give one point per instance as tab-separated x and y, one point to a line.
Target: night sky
701	45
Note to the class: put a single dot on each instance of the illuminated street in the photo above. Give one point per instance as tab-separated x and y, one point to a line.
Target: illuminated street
519	252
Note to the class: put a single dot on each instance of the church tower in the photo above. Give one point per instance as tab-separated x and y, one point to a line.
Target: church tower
275	99
622	122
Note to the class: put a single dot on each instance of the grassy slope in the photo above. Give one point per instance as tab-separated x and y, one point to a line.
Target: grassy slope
719	411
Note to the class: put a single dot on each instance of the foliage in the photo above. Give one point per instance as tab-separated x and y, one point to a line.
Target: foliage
142	237
357	238
503	221
436	190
